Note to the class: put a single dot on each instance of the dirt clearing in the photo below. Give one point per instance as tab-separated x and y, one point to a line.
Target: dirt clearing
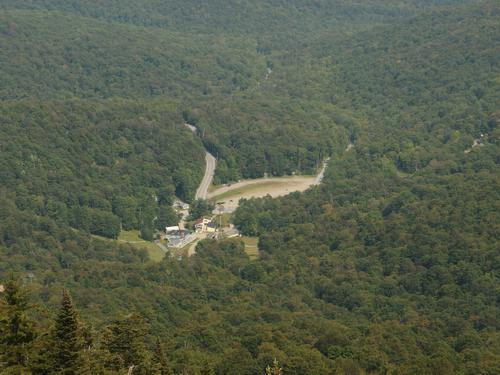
258	188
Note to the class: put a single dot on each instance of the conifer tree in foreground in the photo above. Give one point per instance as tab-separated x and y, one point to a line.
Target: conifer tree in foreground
66	338
16	330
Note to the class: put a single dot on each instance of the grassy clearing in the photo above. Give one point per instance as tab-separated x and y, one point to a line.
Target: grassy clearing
156	254
130	236
251	246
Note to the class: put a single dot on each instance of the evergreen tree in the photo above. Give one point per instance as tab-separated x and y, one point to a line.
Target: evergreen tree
66	338
17	331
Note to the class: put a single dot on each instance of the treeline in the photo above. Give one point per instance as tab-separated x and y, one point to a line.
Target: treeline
404	228
98	166
319	300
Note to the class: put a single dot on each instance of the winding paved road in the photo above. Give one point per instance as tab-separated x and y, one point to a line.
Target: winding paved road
202	191
210	163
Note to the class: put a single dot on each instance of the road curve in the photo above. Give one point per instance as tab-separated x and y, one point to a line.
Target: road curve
210	162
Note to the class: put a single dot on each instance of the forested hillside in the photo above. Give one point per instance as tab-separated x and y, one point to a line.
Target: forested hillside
257	17
98	165
208	76
102	60
390	266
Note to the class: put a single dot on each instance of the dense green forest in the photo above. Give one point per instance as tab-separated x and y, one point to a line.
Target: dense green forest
102	60
236	17
207	77
98	165
390	266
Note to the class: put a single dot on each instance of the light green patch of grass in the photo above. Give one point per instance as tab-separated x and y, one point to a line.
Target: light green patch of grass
402	174
130	236
251	246
156	253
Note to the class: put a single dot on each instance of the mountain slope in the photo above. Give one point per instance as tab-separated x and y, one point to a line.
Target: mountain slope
93	59
391	265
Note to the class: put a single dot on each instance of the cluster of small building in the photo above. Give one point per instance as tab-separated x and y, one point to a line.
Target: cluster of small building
178	236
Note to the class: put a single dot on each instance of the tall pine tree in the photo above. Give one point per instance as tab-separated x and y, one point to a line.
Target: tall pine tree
67	343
